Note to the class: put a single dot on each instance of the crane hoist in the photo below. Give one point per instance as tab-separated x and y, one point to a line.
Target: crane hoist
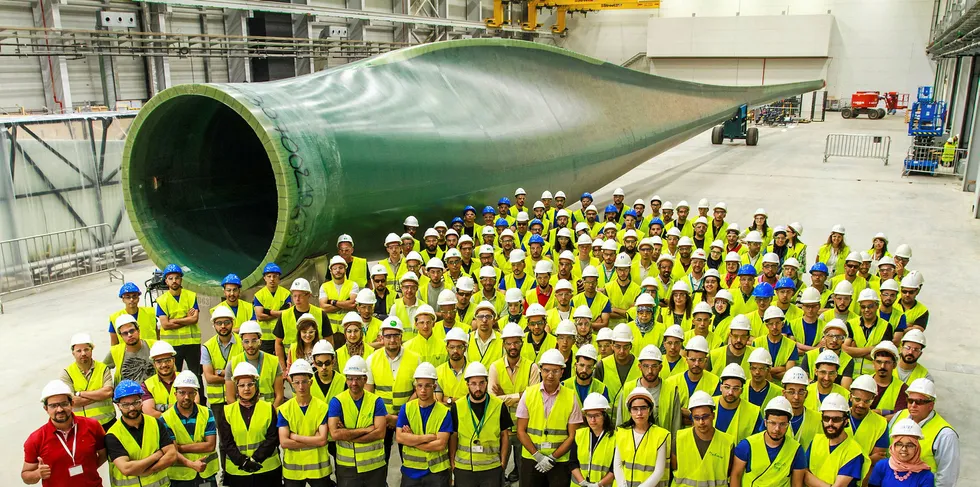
563	9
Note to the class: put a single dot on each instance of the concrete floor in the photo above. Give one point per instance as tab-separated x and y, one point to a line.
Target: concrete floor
784	174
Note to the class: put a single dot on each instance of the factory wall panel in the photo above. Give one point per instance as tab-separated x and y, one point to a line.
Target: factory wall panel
20	77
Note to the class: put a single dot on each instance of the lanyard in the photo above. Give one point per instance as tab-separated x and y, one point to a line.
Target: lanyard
74	441
477	427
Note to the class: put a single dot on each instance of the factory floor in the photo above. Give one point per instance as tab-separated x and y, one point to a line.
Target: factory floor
785	174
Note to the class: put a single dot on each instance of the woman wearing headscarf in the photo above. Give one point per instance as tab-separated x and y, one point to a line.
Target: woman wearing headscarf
904	467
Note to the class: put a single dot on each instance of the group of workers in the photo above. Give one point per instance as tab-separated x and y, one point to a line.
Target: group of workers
644	348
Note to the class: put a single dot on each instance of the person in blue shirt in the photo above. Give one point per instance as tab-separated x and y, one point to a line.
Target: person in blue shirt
360	434
905	467
836	459
423	431
747	469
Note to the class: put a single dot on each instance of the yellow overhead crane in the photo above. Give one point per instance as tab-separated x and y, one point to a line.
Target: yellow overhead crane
563	7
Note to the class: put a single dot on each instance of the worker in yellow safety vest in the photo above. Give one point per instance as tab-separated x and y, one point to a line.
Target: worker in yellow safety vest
773	456
594	447
734	415
834	334
158	391
868	428
737	350
940	443
178	313
130	359
284	332
303	432
597	302
678	388
651	362
214	358
835	458
892	393
145	317
582	380
405	307
807	330
642	447
547	417
90	382
916	313
143	462
251	448
689	465
451	384
781	348
423	430
804	422
621	367
270	371
509	377
840	303
389	375
538	340
231	286
337	293
485	344
357	422
195	436
827	367
355	342
327	382
429	344
909	368
621	291
357	267
760	387
478	447
949	152
269	303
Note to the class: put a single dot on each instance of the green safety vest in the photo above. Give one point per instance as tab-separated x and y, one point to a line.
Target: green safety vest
343	354
867	433
176	309
711	470
483	453
639	462
308	462
812	401
146	321
432	349
243	313
365	457
594	462
408	322
394	390
527	351
825	464
101	411
494	351
179	472
866	365
147	446
548	433
216	393
762	472
810	428
268	366
413	457
271	302
248	439
786	349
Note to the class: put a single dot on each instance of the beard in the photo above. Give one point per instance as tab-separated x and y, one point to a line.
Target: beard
832	432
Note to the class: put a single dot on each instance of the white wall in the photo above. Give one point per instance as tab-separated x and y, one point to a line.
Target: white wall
875	44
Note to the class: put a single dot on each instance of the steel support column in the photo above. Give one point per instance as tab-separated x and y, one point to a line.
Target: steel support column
964	67
54	69
239	68
302	29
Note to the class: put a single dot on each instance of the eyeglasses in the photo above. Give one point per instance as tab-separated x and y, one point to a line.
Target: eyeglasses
129	332
835	337
551	371
701	417
246	385
537	323
130	405
323	364
650	366
484	317
777	424
223	322
911	349
728	388
905	446
57	405
833	419
185	393
593	415
300	382
379	282
700	360
639	409
868	306
799	393
465	295
161	361
920	402
851	266
456	348
252	341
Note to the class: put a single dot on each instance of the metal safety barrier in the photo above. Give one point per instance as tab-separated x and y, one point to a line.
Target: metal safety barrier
922	159
862	146
39	260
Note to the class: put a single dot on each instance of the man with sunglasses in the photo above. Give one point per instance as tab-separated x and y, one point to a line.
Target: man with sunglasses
771	456
916	313
865	332
131	358
327	382
941	444
836	460
852	264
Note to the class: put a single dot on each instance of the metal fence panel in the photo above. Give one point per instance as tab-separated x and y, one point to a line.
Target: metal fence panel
864	146
921	159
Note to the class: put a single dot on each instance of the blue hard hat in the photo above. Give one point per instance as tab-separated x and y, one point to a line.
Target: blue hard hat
630	212
489	209
503	201
538	239
501	222
656	221
611	208
231	279
172	269
457	219
126	388
129	287
820	267
785	283
469	208
271	267
763	290
747	270
586	195
536	221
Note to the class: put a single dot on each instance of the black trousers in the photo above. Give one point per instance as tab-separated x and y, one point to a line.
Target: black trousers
271	478
191	354
440	479
348	477
197	482
515	453
559	476
324	482
486	478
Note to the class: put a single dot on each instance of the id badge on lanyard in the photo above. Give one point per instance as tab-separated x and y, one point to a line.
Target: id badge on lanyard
74	469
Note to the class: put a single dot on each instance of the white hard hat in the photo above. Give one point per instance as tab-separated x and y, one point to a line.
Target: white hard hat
760	356
435	263
522	216
379	270
610	245
836	323
245	369
865	257
868	294
355	366
446	297
645	242
466	284
760	211
622	333
650	281
630	233
650	352
487	305
161	347
565	327
604	334
352	317
810	295
563	284
535	309
726	295
733	371
513	295
865	383
834	402
413	255
781	404
674	331
853	257
720	206
538	204
915	336
733	257
754	237
250	327
590	271
584	239
770	258
703	203
885	346
517	255
563	232
587	351
323	347
623	260
701	307
844	288
487	271
717	244
344	238
741	323
487	230
305	317
475	369
411	221
697	343
425	309
685	241
300	366
904	251
451	254
409	277
792	262
520	191
595	401
391	323
699	254
656	240
456	334
700	399
425	370
591	208
597	242
431	232
837	229
796	375
889	285
512	330
466	239
886	260
55	388
543	267
219	312
778	229
797	227
906	427
300	284
618	192
674	231
124	319
680	286
86	339
337	260
645	299
366	296
773	312
392	238
683	204
827	357
911	281
638	392
733	227
552	357
640	202
407	236
566	255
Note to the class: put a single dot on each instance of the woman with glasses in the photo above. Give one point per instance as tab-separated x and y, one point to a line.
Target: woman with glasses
904	468
592	453
307	335
248	434
641	445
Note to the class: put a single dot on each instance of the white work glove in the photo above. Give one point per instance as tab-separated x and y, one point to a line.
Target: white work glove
545	464
588	484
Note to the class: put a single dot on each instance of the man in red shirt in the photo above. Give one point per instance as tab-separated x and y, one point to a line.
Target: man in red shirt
68	450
